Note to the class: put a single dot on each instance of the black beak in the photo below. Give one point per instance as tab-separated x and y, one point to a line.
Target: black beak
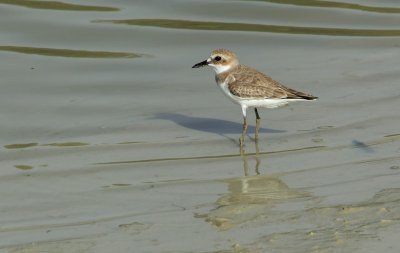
200	64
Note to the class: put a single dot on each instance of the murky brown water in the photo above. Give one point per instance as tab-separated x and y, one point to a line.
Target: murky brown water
112	143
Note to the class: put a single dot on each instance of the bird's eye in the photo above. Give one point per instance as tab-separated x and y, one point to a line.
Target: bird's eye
217	58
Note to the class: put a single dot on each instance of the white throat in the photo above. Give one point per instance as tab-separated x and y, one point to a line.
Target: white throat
220	68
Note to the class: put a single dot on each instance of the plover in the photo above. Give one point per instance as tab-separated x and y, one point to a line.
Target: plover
249	87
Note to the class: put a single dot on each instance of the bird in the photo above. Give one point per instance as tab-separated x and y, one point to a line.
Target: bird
248	87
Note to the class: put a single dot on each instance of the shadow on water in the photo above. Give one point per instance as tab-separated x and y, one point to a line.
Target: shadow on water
363	146
217	126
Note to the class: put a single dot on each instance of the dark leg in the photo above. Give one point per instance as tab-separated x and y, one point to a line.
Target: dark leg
257	123
258	162
257	116
241	140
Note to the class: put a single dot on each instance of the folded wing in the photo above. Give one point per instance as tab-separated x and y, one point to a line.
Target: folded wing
246	82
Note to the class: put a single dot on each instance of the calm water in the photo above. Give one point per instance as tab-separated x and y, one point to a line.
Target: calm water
111	142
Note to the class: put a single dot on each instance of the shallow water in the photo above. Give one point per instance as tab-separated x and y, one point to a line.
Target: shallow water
111	142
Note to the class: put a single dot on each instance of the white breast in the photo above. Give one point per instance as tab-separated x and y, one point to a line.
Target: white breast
226	91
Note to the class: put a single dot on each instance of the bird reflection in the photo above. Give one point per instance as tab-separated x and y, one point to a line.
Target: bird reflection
250	197
245	159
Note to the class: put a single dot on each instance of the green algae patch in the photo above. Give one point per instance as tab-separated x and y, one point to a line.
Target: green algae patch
23	167
20	145
54	5
246	27
333	4
67	144
68	52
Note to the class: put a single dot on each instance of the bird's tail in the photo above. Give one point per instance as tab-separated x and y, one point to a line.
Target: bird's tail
301	95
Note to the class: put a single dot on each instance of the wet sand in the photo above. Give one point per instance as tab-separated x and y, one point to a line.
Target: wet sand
111	142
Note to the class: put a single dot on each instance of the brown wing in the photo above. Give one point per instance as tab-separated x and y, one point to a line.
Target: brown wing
250	83
253	91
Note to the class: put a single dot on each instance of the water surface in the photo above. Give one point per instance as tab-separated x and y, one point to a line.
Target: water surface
111	142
